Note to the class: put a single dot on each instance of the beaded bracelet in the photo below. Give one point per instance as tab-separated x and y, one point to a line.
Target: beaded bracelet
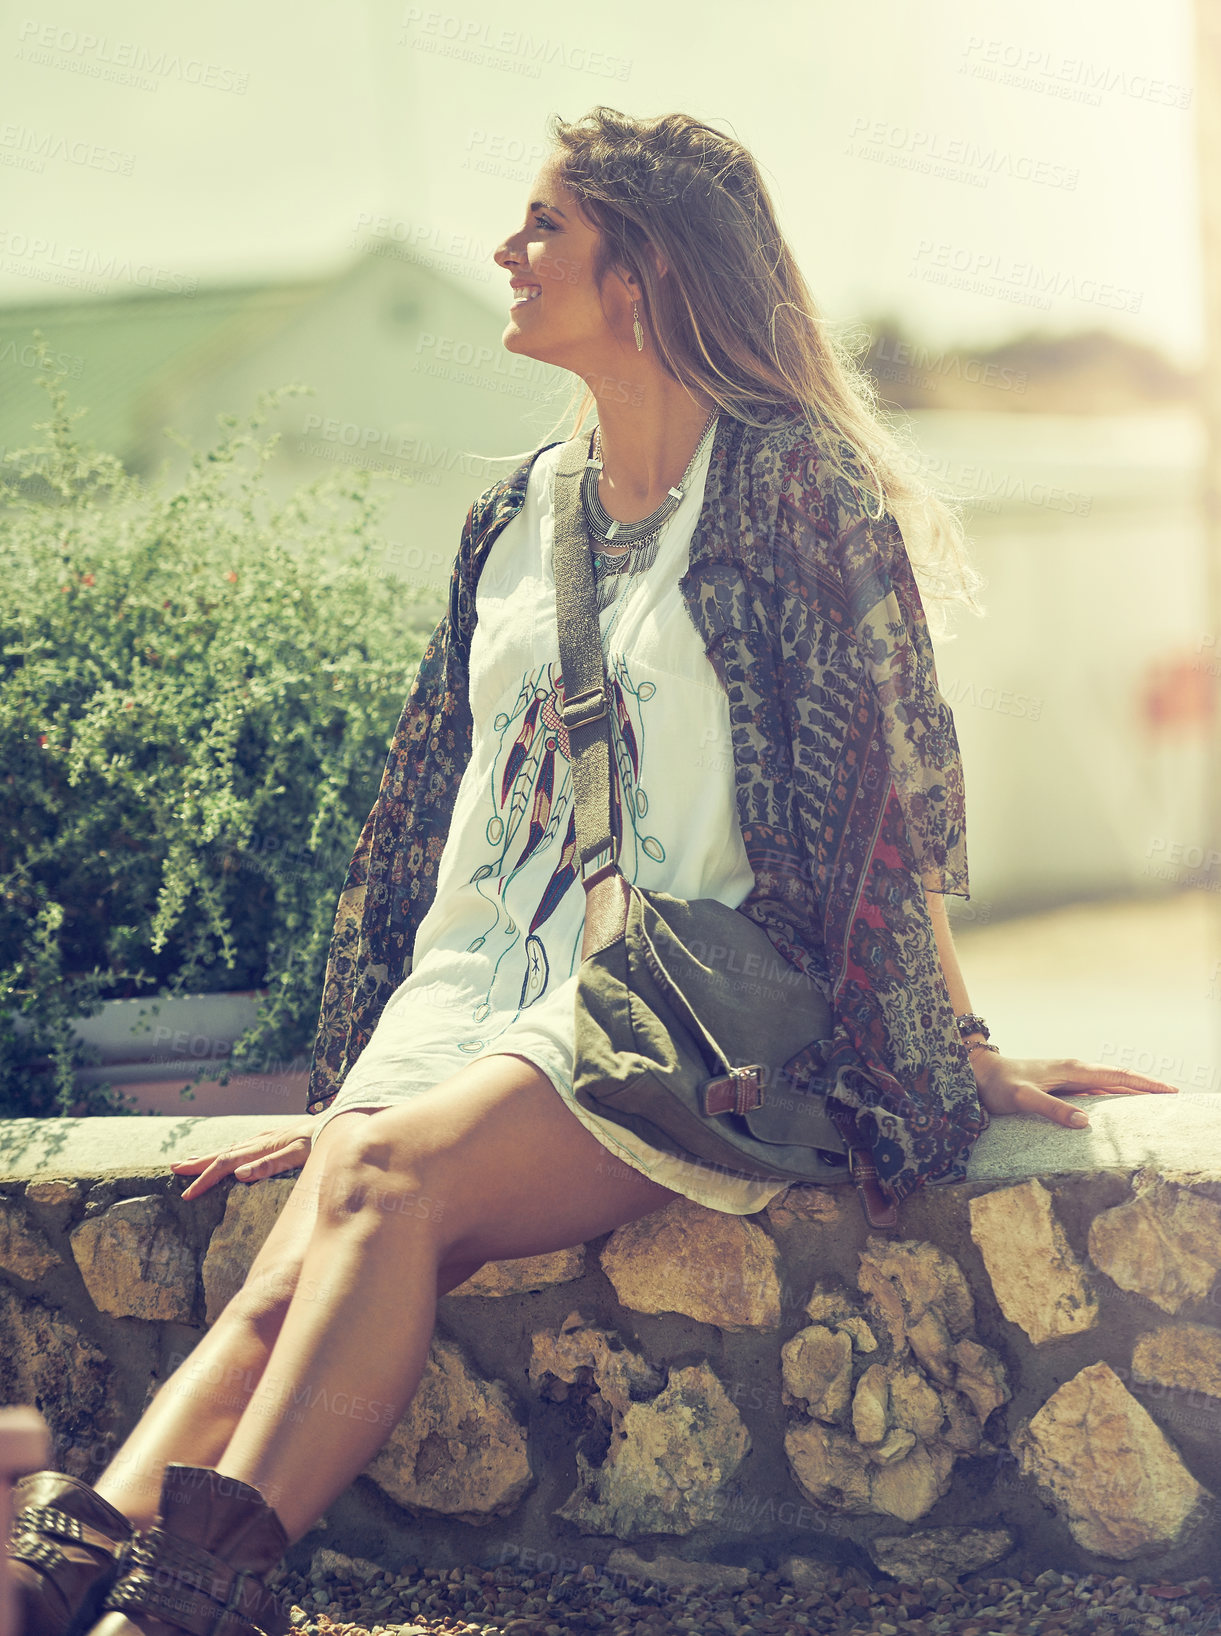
969	1023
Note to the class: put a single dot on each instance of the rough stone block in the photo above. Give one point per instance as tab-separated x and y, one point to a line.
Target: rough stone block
805	1573
594	1360
135	1262
24	1250
1038	1282
667	1471
459	1450
1102	1461
934	1553
47	1362
904	1279
54	1192
816	1367
707	1264
912	1416
251	1210
829	1466
525	1274
336	1565
871	1405
908	1487
1165	1243
1184	1357
980	1375
830	1304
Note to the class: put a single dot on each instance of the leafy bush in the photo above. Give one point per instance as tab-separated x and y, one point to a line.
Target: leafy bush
197	693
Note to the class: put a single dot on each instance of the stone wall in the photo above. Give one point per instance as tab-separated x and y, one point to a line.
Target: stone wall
1030	1371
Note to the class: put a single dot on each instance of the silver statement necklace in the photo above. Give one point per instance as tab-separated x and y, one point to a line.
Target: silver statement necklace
621	548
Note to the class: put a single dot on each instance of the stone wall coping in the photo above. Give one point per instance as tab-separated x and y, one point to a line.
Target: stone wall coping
1174	1134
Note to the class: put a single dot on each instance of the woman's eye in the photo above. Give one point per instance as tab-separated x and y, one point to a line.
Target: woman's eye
541	221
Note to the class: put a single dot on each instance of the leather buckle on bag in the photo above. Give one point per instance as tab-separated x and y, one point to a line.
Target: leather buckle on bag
583	709
735	1092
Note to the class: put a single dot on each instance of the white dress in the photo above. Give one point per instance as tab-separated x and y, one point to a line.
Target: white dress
496	956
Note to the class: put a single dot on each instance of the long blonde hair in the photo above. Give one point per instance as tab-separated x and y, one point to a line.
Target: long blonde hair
734	317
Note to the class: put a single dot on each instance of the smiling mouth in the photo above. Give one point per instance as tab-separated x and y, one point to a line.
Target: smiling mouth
522	296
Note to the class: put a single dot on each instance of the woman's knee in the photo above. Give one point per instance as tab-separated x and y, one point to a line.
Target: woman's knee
387	1164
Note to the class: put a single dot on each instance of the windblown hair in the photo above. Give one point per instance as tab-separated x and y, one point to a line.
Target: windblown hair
734	317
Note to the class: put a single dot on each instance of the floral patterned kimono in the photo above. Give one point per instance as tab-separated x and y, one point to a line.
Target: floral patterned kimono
848	783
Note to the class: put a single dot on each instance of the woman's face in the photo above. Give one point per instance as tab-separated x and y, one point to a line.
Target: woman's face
562	322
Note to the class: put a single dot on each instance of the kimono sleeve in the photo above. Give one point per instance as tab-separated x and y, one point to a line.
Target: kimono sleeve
915	723
877	801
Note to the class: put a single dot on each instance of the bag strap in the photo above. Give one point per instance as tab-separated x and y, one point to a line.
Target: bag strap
585	709
585	712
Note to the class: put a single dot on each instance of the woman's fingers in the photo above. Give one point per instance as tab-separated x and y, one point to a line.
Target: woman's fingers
263	1155
1039	1087
246	1167
288	1154
1101	1080
1030	1099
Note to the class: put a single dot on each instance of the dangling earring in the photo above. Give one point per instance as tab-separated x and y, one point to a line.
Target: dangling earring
636	329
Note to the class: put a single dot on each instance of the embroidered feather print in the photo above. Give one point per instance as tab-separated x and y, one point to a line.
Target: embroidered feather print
530	795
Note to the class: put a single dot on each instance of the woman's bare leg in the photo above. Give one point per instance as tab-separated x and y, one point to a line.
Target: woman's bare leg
197	1408
489	1165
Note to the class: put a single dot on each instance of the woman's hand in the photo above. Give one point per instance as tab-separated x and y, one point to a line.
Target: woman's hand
253	1160
1031	1085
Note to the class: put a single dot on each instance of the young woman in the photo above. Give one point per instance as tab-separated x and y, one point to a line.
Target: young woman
780	744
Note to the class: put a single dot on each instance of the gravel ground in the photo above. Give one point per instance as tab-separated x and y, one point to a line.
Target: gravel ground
504	1601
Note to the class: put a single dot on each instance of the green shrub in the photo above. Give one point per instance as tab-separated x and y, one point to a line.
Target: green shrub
197	694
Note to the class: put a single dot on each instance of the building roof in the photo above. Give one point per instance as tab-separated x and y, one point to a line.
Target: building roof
114	352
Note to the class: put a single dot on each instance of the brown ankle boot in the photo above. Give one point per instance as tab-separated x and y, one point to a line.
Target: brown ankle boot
199	1568
62	1550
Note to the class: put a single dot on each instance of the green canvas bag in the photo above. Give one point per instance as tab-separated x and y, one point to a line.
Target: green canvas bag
686	1013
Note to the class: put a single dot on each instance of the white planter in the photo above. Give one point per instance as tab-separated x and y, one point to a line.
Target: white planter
150	1047
162	1036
